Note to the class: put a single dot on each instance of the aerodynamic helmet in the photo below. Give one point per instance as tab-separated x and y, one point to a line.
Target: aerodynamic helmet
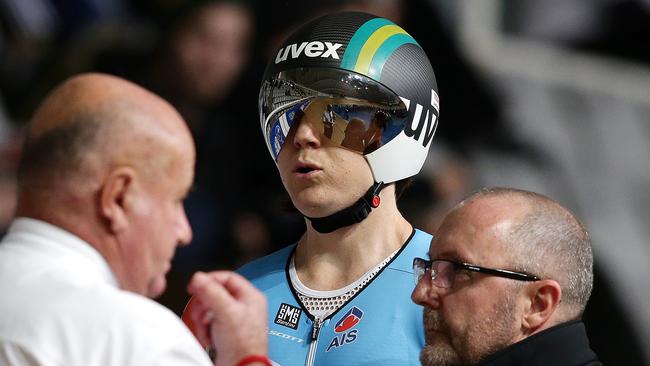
366	84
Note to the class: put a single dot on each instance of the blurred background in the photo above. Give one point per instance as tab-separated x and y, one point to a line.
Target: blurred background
546	95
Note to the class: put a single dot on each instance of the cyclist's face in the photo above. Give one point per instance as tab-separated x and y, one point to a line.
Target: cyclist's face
320	175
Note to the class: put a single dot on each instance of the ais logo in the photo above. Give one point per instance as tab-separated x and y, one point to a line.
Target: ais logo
344	327
310	49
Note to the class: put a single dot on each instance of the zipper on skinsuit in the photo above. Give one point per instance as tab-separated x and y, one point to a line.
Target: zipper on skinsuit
315	332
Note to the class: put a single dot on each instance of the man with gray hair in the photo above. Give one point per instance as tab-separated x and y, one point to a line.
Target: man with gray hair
509	277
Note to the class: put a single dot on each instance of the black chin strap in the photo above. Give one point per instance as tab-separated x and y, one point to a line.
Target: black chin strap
351	215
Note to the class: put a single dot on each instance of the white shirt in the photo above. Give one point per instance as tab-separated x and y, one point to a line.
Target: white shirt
60	305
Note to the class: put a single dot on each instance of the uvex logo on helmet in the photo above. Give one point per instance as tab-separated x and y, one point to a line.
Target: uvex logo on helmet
417	125
310	49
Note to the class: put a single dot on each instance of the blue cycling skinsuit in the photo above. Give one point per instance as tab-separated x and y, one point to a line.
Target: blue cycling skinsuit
380	325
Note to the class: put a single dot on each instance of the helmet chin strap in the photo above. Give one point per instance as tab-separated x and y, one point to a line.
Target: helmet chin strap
350	215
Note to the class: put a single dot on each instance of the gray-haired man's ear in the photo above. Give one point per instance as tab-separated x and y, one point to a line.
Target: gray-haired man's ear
543	298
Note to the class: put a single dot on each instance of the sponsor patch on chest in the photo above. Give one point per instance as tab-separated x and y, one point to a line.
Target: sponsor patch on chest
288	316
346	333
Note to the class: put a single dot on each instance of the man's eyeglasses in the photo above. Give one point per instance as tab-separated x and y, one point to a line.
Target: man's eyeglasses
443	272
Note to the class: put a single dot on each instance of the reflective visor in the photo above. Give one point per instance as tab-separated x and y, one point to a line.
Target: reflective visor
353	111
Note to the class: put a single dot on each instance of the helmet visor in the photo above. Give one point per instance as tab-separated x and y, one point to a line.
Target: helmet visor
351	110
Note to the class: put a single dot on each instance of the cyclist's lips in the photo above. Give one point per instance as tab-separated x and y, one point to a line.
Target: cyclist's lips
306	169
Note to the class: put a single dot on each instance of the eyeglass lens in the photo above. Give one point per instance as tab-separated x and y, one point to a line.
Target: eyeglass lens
442	272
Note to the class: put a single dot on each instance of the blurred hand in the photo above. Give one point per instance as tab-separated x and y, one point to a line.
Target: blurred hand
228	313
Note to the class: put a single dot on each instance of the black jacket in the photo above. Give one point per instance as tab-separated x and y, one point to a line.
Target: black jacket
562	345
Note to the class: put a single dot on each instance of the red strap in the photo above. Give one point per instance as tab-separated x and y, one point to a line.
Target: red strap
254	358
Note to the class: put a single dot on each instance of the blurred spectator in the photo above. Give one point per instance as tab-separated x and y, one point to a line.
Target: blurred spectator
204	54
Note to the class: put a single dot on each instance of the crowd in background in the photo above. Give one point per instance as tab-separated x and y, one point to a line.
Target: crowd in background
207	59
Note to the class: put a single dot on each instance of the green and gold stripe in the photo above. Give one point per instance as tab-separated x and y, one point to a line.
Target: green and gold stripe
372	44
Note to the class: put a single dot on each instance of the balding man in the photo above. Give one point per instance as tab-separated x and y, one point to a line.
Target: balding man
508	280
106	166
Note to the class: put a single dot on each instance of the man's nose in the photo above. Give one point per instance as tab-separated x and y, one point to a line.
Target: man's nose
425	293
307	134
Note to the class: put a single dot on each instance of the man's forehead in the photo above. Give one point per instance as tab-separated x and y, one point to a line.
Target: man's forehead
450	250
471	232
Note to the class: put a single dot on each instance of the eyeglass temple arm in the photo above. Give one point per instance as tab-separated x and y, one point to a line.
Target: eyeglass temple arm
500	272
